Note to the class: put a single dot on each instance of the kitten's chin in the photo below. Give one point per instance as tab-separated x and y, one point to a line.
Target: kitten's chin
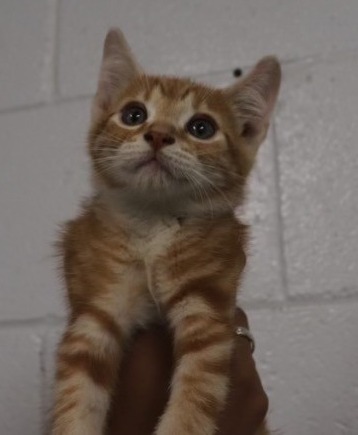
152	176
153	173
153	166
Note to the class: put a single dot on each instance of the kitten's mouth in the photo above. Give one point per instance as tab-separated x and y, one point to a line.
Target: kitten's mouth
154	164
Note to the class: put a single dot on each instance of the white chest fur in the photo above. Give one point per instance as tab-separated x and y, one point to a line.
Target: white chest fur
152	241
152	238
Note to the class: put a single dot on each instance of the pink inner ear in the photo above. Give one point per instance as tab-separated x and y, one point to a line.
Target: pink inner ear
267	75
118	68
255	95
270	102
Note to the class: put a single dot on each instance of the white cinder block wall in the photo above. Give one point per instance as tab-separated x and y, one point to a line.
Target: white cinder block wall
301	290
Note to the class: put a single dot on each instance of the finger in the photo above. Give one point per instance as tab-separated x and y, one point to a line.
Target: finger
247	401
241	317
142	390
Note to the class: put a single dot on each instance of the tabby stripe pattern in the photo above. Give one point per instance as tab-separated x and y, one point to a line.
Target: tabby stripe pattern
88	359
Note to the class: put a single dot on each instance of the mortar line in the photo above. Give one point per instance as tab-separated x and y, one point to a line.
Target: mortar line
42	383
47	73
56	49
301	302
41	104
32	322
278	208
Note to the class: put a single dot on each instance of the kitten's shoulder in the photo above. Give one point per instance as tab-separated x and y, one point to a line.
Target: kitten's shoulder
79	229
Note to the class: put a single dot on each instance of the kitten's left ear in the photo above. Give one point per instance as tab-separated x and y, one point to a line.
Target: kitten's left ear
253	99
118	68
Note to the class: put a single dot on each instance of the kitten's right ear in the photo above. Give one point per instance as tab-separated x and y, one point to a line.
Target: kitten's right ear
118	68
253	98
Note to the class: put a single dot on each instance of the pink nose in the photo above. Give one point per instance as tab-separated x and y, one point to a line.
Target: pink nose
158	139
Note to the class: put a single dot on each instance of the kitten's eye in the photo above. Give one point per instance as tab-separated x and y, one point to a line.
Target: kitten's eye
202	127
134	114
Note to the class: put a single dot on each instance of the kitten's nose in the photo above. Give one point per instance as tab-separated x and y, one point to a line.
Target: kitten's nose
158	139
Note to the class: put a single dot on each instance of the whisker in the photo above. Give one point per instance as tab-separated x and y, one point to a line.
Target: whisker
112	137
214	187
207	196
227	171
198	188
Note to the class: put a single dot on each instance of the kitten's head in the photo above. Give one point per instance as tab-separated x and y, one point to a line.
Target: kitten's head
172	142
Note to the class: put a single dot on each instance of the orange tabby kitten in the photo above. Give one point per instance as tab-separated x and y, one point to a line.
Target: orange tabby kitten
159	237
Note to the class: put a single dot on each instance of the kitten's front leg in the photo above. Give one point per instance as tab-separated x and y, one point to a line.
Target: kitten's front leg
87	363
203	344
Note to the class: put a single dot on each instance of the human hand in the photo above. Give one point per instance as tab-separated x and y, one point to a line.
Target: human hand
143	387
247	402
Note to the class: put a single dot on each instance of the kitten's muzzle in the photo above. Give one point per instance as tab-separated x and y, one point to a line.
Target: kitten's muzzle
158	139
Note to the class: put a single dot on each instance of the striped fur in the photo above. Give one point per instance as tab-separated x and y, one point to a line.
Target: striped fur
149	244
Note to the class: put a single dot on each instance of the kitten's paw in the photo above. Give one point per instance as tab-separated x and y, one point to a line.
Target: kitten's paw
184	426
75	429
